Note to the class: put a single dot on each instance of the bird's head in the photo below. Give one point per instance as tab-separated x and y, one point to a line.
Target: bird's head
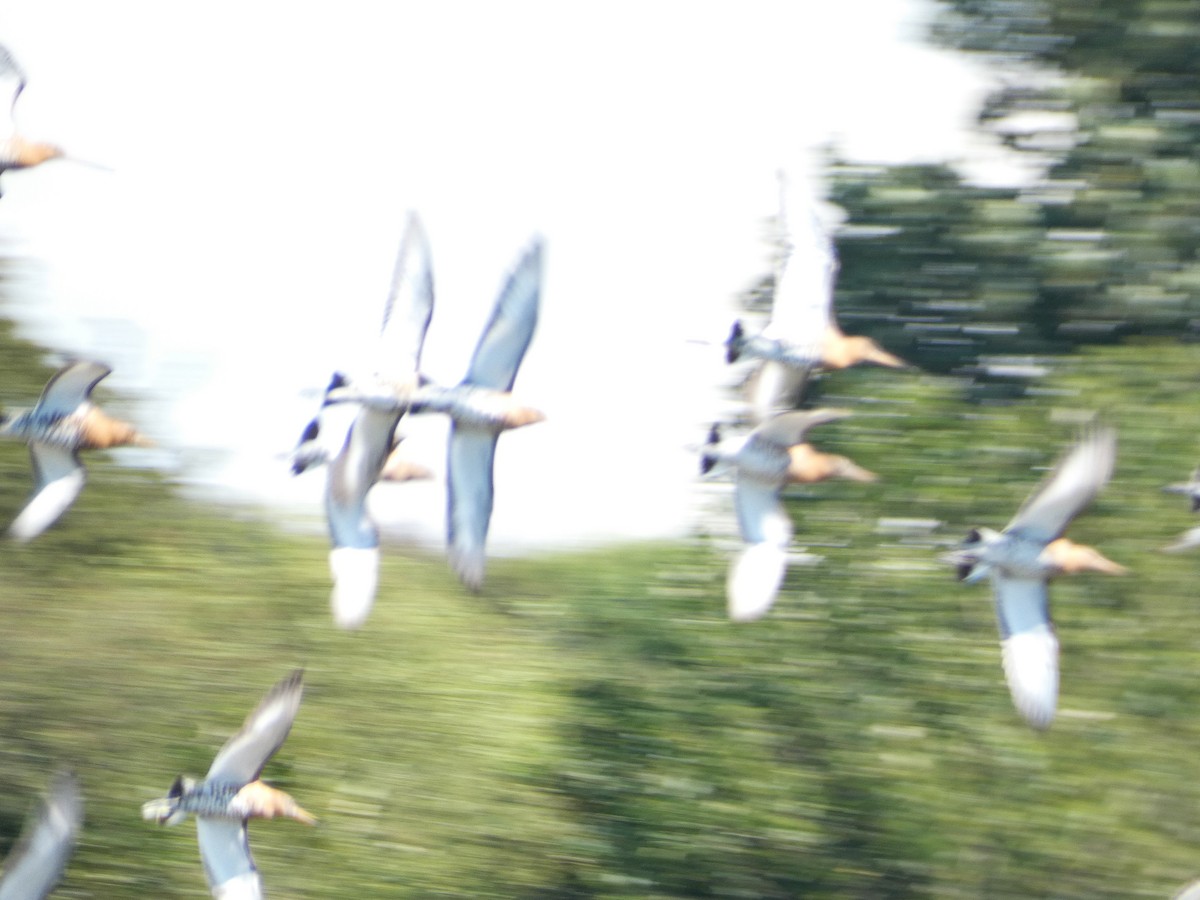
966	558
165	810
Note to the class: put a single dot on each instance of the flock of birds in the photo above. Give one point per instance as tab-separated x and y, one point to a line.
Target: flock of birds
356	435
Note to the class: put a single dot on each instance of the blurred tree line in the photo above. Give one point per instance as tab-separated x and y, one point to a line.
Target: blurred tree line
1101	103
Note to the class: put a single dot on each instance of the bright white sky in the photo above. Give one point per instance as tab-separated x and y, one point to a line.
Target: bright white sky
265	156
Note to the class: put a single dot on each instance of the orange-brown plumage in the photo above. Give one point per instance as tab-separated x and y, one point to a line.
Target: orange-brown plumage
100	431
840	351
261	801
1069	558
23	154
807	465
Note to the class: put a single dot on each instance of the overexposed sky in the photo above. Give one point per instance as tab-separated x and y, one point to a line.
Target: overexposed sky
265	155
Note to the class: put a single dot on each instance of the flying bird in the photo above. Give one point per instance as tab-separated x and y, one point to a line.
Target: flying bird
1020	561
16	152
1191	488
38	858
802	335
482	406
367	451
63	422
772	456
231	793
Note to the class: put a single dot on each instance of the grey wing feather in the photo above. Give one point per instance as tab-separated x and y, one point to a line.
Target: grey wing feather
754	579
70	386
351	475
775	386
242	758
12	82
1029	646
788	429
228	865
1075	481
40	855
409	306
470	459
761	517
58	479
508	333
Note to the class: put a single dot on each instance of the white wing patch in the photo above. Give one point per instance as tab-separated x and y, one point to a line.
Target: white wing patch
59	478
1029	646
355	572
1031	669
802	309
754	580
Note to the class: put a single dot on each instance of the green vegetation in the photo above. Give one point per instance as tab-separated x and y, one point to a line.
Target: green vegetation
592	726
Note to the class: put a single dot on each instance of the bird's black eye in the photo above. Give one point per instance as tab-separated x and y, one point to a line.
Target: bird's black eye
311	430
707	462
973	536
176	788
338	380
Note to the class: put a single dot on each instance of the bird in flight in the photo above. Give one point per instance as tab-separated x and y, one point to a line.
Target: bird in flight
231	794
1022	558
63	422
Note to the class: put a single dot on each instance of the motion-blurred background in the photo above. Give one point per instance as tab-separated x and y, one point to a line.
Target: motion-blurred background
1021	192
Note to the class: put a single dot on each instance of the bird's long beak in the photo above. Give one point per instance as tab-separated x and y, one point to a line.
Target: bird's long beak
91	164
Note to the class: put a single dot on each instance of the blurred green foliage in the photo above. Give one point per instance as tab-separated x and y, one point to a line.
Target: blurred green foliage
1102	102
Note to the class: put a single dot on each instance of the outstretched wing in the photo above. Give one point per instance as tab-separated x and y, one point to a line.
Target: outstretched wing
40	855
70	386
803	305
12	82
775	386
228	865
409	306
242	758
761	516
510	329
469	464
1028	645
351	475
1075	481
754	579
788	429
58	478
